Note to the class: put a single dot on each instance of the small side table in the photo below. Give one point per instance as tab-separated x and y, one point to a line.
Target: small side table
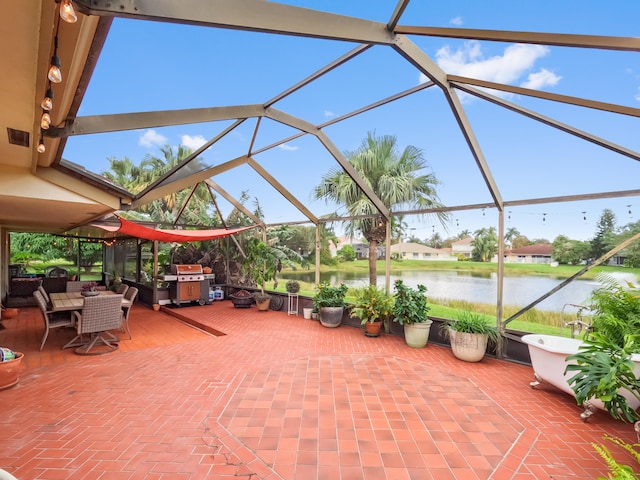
293	304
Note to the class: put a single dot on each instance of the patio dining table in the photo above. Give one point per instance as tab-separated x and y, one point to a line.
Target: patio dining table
66	301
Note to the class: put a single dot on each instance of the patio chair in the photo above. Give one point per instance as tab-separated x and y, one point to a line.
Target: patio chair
56	272
99	315
51	319
131	294
45	295
122	289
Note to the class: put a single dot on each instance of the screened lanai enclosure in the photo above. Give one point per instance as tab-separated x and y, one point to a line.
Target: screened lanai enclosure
192	115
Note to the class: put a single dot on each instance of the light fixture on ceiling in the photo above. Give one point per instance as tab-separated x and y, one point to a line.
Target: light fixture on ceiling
54	70
41	148
67	13
47	102
45	120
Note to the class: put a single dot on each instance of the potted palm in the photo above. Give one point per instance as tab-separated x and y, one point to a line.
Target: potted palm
469	336
329	302
372	306
410	310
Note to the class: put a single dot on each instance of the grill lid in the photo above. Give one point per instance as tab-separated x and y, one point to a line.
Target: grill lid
195	269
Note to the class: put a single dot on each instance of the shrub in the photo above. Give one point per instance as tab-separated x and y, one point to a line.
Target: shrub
409	304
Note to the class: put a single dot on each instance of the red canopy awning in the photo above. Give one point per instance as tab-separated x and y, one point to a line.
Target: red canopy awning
133	229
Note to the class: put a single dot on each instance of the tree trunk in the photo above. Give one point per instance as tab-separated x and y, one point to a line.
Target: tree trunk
373	257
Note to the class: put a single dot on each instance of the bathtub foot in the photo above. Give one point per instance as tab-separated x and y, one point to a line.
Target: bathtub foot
537	382
589	409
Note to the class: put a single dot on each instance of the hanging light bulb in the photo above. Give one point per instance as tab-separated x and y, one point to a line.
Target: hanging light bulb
67	13
54	70
47	102
41	148
45	121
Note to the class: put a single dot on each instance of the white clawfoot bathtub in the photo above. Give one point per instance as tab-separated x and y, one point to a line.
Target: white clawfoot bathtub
548	359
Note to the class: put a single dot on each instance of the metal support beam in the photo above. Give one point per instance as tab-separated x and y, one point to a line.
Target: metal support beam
251	15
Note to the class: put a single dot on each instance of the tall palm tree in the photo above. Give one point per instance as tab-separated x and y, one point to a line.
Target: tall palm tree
485	244
398	178
510	234
198	210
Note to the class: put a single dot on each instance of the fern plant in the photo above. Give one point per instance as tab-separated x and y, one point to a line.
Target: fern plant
616	470
616	309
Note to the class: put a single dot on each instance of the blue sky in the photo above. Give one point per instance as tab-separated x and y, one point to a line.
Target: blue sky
147	66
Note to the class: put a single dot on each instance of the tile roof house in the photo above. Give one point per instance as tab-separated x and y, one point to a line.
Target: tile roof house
462	247
538	253
417	251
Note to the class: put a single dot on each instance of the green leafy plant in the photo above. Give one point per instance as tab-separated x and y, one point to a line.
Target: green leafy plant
293	286
328	295
616	470
472	322
617	309
372	304
409	304
602	370
259	262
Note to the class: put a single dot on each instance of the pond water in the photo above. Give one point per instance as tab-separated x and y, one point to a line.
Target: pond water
481	287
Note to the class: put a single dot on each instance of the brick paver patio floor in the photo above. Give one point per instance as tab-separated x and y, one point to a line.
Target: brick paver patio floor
280	397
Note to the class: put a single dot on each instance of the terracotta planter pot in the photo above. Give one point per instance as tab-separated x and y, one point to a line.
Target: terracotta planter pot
8	313
263	306
9	371
372	329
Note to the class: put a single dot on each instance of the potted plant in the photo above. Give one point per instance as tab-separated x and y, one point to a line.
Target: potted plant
10	366
329	302
410	309
89	289
469	335
292	286
604	366
261	266
372	306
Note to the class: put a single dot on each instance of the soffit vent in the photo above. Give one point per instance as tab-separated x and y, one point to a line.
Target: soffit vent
18	137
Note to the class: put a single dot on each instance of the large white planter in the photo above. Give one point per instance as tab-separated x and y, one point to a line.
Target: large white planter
469	347
417	334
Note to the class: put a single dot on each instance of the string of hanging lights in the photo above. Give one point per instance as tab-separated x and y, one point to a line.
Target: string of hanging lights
54	75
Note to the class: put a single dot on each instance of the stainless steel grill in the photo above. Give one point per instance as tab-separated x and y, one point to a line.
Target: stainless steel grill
188	284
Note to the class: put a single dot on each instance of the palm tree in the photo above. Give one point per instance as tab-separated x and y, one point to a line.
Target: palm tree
510	234
485	244
398	179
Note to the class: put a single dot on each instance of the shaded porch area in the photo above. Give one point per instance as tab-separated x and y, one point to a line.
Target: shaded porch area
275	396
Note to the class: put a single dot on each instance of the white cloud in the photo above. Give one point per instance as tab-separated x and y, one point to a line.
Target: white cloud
193	143
469	61
456	21
541	79
329	114
284	146
151	138
637	97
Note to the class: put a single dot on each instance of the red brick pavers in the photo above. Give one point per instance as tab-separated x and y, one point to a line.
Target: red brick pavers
283	397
